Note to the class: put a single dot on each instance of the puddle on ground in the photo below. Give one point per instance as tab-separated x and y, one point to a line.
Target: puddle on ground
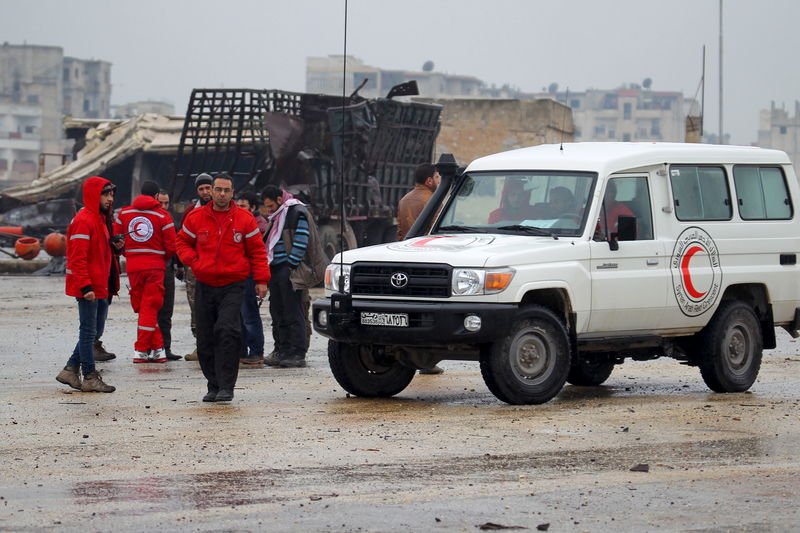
249	487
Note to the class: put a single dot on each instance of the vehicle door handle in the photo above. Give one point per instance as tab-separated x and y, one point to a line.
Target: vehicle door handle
652	262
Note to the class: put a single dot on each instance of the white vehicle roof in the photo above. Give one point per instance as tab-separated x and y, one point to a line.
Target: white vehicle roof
609	157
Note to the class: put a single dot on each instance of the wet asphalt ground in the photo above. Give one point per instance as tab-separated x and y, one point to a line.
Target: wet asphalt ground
293	452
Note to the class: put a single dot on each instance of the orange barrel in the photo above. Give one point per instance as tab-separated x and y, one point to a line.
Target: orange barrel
55	244
27	247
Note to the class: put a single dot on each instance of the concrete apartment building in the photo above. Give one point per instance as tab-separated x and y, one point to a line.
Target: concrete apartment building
324	76
777	129
629	113
38	86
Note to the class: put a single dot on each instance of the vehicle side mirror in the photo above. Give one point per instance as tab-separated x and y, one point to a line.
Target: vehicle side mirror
613	242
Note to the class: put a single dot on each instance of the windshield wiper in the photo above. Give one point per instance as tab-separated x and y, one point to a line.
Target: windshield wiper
531	230
460	229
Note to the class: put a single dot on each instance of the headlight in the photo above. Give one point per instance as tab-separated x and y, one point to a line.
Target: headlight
471	281
332	274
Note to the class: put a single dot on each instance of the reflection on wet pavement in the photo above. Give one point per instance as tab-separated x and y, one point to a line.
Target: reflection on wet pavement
249	487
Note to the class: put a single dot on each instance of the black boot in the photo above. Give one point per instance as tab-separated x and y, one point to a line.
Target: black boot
100	353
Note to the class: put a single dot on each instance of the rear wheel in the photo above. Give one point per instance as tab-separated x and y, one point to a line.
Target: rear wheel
359	371
589	372
329	239
731	348
530	365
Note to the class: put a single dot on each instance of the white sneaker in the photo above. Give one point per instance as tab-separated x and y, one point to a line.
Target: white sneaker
158	356
140	357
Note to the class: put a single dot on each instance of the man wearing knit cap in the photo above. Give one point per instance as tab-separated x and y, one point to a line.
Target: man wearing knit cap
149	237
202	184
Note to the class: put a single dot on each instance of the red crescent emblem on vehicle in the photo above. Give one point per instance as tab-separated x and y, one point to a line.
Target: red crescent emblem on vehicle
687	276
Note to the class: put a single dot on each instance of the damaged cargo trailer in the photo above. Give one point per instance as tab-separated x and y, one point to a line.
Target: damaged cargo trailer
312	145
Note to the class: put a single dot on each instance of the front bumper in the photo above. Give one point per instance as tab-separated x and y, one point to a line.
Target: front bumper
430	323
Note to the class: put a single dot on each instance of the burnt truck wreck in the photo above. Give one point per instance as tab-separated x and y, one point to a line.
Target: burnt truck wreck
312	145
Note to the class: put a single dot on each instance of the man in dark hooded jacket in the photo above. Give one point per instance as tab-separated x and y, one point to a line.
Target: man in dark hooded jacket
91	279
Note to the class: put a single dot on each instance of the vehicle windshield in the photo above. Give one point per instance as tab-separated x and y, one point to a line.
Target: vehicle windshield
526	203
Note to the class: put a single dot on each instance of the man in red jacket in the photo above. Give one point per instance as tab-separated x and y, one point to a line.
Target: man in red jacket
149	235
90	279
222	245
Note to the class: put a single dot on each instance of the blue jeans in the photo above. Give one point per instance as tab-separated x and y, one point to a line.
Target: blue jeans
92	316
252	327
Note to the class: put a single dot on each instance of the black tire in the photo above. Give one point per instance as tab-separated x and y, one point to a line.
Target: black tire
361	374
329	239
529	365
588	372
731	348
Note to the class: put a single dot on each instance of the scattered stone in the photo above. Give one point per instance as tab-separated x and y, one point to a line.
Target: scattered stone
641	467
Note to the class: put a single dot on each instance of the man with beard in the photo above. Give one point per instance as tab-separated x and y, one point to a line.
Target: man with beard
221	243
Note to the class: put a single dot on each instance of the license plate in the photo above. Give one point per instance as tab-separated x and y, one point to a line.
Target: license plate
394	320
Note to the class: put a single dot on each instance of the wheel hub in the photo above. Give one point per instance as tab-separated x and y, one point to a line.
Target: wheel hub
532	357
738	348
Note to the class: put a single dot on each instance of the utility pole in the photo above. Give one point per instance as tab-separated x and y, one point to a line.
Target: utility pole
721	139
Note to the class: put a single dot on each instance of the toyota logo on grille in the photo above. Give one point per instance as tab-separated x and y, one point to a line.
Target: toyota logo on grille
399	280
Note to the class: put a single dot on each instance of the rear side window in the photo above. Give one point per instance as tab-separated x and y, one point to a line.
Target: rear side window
700	193
761	193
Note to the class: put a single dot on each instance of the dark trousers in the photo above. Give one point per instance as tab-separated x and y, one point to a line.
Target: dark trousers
286	308
165	314
219	333
253	338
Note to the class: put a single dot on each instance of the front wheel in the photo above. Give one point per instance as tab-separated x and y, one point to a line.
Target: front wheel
530	365
360	371
731	348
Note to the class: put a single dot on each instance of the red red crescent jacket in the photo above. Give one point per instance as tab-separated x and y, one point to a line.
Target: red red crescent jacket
88	246
222	254
149	234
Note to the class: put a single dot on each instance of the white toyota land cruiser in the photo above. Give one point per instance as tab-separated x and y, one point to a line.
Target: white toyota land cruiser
557	262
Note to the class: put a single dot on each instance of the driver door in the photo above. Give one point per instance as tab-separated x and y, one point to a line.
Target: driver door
629	285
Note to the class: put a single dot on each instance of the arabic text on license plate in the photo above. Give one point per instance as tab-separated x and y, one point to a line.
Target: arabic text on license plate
397	320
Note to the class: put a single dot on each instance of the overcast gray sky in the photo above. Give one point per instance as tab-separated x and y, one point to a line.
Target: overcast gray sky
162	49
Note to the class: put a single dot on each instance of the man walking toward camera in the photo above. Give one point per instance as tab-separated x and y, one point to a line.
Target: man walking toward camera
149	236
91	280
222	245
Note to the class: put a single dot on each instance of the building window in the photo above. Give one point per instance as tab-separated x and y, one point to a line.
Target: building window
783	130
33	99
66	74
575	104
655	128
626	137
761	193
30	129
599	130
626	111
700	193
612	134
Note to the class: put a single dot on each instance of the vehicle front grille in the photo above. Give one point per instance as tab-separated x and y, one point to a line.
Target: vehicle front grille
424	280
